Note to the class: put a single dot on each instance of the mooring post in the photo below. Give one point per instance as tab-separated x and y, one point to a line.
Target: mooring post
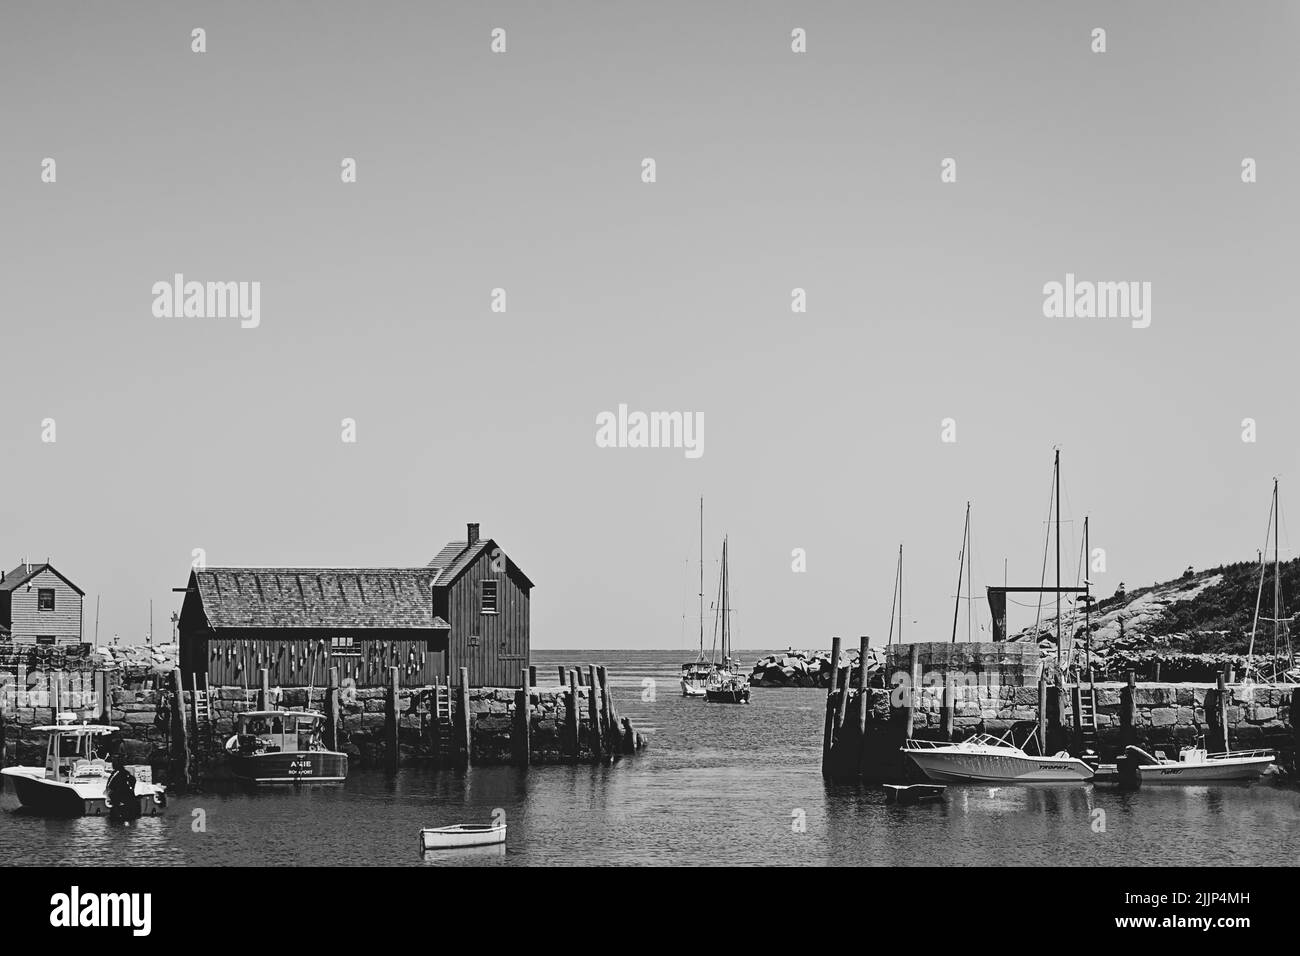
1128	711
827	738
263	689
578	671
947	708
180	738
914	690
562	682
391	719
593	713
1042	712
532	675
523	721
571	715
332	710
467	733
863	643
1221	702
842	708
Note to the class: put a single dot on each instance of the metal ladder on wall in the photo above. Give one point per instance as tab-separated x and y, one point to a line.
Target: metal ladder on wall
1088	716
442	720
201	713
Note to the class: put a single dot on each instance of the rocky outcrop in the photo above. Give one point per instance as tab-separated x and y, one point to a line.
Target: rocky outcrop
806	668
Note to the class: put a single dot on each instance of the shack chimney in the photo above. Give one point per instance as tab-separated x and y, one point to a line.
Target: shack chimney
471	533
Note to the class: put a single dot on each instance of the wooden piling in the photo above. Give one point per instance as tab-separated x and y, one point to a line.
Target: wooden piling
562	681
532	675
841	709
593	713
523	725
332	711
1042	712
914	688
571	716
864	699
1128	711
180	737
947	709
264	689
606	712
466	729
827	739
578	671
103	702
1076	731
391	709
1221	702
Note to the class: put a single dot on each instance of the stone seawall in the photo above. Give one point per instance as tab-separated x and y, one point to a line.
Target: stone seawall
145	728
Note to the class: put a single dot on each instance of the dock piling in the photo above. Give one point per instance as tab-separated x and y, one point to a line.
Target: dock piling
1128	711
466	721
827	738
571	716
1042	712
523	726
332	710
264	689
1221	704
180	741
391	722
606	712
593	713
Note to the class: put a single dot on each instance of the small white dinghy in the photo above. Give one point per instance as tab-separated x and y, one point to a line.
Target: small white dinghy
462	834
1195	765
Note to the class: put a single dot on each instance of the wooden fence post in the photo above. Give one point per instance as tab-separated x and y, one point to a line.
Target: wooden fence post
332	710
466	718
523	721
593	713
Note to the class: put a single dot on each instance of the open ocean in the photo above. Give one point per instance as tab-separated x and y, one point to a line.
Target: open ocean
718	784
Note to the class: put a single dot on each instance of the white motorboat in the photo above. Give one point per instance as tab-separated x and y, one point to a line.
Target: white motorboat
1195	765
74	779
461	835
988	759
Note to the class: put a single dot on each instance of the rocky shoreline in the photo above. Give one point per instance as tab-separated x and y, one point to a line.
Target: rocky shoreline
806	668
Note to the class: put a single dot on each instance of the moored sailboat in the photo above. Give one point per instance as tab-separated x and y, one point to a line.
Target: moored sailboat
695	674
726	684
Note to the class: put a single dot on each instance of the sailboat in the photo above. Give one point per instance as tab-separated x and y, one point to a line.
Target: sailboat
1282	650
725	683
695	674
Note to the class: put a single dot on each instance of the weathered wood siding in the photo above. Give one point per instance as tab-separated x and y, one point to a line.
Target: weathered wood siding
305	661
29	622
494	647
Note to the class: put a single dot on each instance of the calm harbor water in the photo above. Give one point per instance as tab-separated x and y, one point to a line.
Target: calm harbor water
718	785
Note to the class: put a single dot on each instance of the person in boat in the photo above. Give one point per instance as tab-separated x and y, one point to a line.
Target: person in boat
119	792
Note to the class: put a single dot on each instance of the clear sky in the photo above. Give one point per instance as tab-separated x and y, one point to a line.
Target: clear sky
522	171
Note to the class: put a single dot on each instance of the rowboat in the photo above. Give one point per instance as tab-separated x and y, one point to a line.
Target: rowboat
74	780
915	793
1195	765
988	759
461	835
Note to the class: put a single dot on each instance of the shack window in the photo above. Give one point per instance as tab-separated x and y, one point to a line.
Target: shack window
489	595
45	639
45	599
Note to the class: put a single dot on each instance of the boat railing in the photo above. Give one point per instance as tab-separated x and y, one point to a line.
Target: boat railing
1263	752
911	744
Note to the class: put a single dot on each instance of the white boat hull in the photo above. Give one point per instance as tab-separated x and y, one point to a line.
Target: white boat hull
692	690
959	765
449	838
1230	768
55	798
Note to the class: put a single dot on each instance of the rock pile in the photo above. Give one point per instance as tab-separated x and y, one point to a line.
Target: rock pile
806	668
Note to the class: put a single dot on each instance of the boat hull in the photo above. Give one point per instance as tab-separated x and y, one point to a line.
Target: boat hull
738	696
996	768
452	838
309	767
53	799
692	690
1246	768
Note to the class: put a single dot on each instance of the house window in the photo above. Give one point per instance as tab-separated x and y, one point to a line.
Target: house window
488	604
45	599
45	639
344	647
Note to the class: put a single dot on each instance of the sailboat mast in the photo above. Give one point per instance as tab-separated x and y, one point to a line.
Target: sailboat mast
1087	604
900	594
1277	578
726	632
701	575
1056	473
961	566
970	603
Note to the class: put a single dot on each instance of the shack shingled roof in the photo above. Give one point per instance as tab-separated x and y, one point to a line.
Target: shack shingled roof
318	597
